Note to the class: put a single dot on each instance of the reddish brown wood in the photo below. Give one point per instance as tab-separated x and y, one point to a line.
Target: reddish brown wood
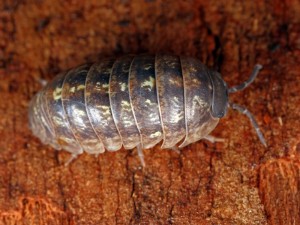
236	182
279	184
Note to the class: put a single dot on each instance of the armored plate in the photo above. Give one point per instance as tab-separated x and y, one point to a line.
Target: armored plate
39	122
120	103
143	95
75	109
169	84
98	104
197	98
64	135
44	112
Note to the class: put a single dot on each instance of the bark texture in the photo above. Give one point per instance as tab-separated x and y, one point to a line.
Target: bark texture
235	182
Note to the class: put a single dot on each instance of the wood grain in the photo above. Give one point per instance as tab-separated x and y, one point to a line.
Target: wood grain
235	182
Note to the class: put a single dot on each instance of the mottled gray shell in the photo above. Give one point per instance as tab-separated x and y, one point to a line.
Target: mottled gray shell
131	101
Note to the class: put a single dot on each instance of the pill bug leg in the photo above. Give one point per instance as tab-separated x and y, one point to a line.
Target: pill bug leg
213	139
72	157
175	149
43	82
141	154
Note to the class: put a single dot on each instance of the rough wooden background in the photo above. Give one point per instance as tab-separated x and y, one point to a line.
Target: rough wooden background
236	182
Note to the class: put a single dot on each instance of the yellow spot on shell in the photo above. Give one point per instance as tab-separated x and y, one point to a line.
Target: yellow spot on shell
177	117
57	93
198	102
125	104
148	67
58	121
156	134
193	69
149	83
148	101
72	89
127	123
105	110
80	87
123	86
78	112
105	85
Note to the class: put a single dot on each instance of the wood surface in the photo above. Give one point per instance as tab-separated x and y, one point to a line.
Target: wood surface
235	182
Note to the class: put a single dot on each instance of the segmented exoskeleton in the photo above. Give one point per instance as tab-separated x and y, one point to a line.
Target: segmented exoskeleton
133	101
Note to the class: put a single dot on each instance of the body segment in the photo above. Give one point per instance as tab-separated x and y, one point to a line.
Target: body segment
143	96
98	105
120	103
198	100
74	107
169	83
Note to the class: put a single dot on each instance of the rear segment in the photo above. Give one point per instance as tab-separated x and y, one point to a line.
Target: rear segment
48	120
39	121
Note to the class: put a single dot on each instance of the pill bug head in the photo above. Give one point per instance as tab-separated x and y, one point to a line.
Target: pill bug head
219	104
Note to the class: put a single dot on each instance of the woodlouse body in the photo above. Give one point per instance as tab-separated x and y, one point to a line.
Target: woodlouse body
132	101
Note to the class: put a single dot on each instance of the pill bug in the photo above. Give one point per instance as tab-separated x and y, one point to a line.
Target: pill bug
133	101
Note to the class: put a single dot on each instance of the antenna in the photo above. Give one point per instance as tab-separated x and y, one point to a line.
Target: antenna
244	110
245	84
